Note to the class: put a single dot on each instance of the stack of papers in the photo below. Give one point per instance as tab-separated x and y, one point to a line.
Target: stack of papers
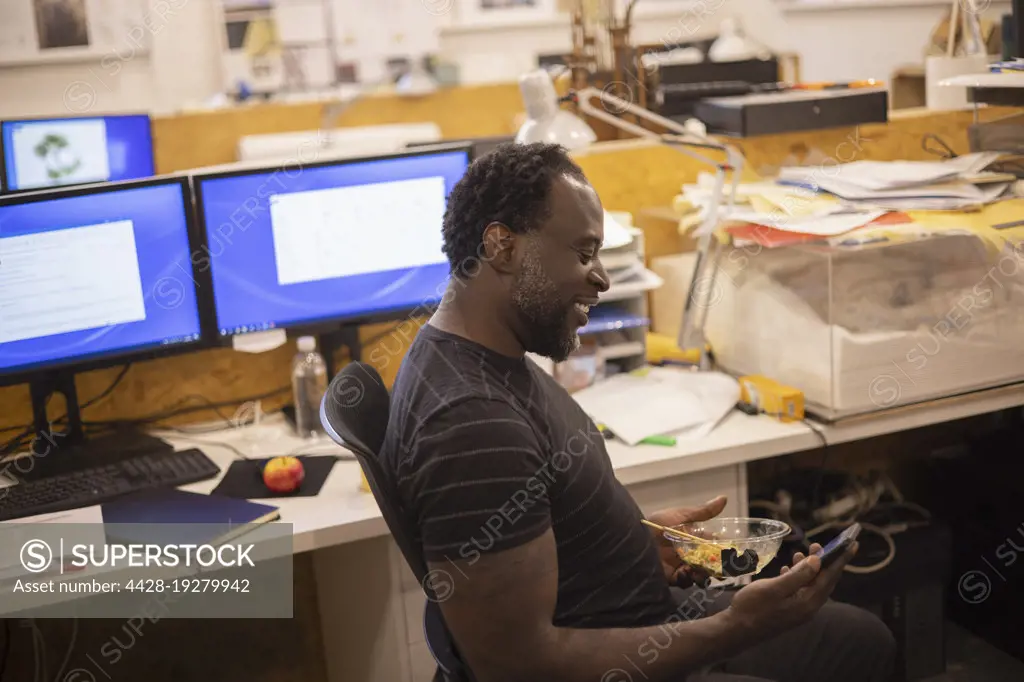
906	185
627	273
791	209
836	203
747	234
826	224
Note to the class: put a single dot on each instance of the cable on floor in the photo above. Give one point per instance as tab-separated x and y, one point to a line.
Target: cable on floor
868	501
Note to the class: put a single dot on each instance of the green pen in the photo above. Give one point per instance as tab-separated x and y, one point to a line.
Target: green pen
659	440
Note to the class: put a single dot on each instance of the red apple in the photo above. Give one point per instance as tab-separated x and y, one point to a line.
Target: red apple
283	474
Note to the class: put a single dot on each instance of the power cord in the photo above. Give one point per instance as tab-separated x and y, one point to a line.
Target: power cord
871	528
154	419
860	500
208	405
18	441
824	458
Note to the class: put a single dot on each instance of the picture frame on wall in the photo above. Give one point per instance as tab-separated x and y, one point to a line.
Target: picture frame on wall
473	13
688	12
48	31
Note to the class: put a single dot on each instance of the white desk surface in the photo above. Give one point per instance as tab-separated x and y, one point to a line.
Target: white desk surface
340	513
737	439
343	513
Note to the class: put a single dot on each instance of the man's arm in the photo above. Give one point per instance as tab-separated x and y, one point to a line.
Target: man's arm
500	611
477	479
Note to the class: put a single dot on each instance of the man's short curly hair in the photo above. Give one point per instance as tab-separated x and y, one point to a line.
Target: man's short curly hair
510	185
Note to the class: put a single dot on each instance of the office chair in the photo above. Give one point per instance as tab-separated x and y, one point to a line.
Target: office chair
354	413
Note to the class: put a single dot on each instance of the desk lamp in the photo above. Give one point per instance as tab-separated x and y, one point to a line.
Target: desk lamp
698	298
545	121
417	81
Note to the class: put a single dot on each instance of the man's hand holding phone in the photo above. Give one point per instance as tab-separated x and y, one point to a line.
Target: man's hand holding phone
771	605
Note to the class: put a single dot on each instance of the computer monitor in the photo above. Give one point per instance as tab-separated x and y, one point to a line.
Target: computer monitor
336	143
481	145
326	244
91	277
59	152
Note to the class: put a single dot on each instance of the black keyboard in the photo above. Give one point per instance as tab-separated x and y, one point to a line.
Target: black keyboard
104	483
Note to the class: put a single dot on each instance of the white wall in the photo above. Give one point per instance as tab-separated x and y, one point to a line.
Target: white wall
836	40
181	64
869	42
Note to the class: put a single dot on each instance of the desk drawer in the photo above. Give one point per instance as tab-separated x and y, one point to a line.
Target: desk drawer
414	601
408	580
690	490
421	662
410	596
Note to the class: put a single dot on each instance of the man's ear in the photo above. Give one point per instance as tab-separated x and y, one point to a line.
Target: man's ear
500	248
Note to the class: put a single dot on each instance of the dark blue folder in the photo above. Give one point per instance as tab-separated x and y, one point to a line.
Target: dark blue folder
183	517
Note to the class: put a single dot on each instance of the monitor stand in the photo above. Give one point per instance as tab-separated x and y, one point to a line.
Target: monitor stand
54	452
1017	25
345	336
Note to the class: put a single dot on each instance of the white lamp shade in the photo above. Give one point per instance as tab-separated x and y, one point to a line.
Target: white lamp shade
563	128
545	121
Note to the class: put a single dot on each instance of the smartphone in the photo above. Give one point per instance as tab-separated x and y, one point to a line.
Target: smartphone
835	549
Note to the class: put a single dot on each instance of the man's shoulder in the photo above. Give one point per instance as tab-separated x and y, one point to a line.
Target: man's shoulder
439	371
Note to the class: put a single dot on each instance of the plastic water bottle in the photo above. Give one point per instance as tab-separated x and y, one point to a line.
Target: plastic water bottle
309	384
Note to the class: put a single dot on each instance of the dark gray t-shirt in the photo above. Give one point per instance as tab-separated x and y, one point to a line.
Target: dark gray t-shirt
489	452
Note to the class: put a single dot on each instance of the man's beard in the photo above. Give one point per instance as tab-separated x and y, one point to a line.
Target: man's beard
550	331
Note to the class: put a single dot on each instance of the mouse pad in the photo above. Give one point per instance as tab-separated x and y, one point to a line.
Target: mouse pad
244	478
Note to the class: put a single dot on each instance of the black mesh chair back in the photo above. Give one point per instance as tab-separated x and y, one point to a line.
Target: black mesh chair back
354	413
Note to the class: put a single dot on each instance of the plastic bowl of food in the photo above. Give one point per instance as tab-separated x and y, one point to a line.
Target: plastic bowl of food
728	548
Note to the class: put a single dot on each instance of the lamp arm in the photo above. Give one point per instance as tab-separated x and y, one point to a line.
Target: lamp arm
680	140
735	164
695	307
333	111
583	99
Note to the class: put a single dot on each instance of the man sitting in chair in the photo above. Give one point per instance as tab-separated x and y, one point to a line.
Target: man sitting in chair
549	574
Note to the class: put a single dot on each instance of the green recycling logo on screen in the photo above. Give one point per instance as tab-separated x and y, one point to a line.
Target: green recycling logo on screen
58	156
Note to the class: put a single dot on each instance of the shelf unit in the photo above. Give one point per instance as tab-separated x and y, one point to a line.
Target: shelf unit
997	89
620	322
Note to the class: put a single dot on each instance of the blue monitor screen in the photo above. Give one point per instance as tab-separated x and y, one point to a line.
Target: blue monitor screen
93	275
297	246
75	151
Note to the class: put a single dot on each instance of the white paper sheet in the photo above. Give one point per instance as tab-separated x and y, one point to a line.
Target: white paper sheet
93	514
882	175
666	400
823	225
953	189
17	533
